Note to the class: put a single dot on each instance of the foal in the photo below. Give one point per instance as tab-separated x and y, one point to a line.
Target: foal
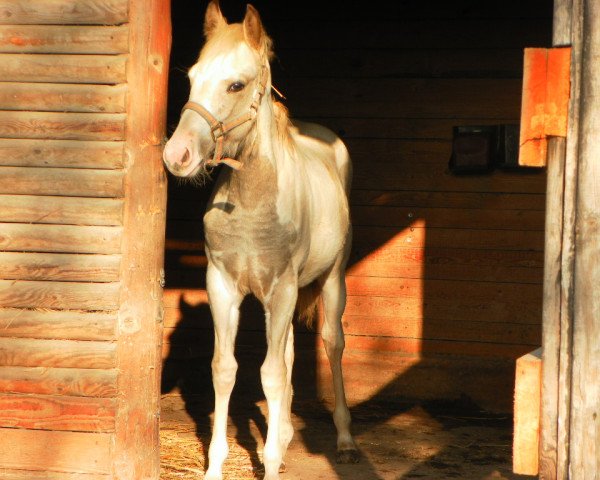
277	222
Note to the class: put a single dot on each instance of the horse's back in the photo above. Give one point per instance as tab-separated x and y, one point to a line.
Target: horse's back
315	136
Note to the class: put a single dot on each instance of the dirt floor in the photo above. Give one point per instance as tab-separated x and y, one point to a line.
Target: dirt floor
397	441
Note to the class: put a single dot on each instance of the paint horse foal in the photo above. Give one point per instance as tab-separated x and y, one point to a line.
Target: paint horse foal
277	221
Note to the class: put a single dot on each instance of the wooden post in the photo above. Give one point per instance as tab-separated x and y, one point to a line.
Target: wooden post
584	453
140	314
570	439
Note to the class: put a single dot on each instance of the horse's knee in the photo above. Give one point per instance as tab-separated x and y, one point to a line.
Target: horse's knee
224	370
333	339
273	377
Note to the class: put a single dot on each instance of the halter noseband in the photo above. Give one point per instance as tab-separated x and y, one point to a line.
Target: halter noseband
219	129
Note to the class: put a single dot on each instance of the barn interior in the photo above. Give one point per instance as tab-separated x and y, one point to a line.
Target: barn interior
445	277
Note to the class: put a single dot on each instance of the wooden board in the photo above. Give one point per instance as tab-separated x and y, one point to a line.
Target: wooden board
17	237
62	126
17	352
45	412
60	210
412	98
63	295
64	12
66	182
59	267
56	97
61	153
37	475
63	39
74	382
57	324
101	69
73	452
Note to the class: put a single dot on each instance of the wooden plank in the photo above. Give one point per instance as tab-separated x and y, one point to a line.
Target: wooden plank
57	324
62	126
479	219
59	267
439	179
546	82
63	12
382	128
56	97
70	452
385	33
419	236
187	237
16	237
182	207
38	475
101	69
407	63
483	200
18	352
63	295
526	438
74	382
409	98
61	153
449	264
45	412
61	181
60	210
103	40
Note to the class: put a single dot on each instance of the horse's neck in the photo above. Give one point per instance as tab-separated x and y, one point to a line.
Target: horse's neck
262	156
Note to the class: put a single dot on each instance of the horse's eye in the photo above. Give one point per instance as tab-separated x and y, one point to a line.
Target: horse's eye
236	87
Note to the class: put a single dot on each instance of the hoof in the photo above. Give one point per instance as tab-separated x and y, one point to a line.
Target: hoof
347	456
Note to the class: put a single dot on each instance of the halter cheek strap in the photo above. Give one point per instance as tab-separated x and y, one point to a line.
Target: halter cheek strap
219	129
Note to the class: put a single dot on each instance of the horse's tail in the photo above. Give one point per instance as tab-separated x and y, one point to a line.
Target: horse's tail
308	303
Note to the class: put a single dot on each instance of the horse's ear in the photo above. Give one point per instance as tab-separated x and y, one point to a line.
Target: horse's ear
213	18
253	29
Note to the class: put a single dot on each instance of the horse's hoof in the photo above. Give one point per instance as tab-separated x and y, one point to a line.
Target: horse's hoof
347	456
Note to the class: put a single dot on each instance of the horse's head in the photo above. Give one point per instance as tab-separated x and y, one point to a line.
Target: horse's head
227	84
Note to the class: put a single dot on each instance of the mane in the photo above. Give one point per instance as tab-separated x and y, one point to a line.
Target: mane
283	126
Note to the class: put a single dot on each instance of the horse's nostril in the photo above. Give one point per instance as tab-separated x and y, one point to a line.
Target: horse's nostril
186	158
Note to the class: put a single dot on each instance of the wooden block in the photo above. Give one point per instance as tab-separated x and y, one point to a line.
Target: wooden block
528	386
544	103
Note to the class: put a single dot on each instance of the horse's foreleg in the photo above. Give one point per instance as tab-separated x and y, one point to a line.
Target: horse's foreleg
224	303
334	302
275	375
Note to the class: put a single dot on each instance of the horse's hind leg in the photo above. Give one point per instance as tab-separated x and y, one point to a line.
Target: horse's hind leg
224	303
334	302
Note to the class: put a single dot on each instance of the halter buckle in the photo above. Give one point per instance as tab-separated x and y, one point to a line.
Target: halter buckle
217	131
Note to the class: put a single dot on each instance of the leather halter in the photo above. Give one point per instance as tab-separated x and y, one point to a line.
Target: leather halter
219	129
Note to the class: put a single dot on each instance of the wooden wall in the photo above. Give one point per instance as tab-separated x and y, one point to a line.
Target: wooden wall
445	279
68	339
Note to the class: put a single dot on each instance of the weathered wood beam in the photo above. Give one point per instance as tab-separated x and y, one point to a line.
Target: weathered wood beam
22	237
101	69
57	324
60	210
18	152
140	311
101	40
63	12
56	97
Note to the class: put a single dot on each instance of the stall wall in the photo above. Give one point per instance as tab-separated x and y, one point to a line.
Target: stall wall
445	277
